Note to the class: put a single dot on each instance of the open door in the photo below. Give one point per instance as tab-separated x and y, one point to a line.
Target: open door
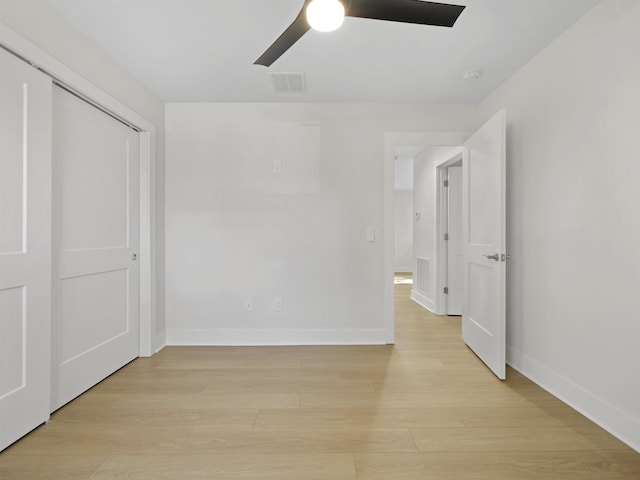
484	243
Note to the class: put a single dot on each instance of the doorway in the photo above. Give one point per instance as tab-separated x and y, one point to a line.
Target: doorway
483	234
392	141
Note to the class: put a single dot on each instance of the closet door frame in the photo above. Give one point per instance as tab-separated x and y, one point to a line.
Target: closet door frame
150	340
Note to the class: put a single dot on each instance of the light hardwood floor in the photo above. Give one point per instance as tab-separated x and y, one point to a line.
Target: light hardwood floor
423	409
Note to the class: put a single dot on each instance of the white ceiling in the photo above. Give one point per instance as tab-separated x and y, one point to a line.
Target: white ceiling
203	50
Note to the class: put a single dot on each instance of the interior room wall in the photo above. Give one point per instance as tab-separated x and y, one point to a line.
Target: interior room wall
403	241
573	223
424	231
41	24
403	213
237	230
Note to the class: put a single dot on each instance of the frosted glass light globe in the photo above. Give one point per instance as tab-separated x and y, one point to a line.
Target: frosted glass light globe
325	15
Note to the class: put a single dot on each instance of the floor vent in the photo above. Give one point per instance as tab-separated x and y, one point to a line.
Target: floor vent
289	82
422	275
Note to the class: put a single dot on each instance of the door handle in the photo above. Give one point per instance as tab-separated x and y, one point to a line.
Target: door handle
134	256
495	257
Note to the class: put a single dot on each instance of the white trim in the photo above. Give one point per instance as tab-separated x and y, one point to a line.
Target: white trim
428	139
424	301
403	269
230	337
599	411
43	61
147	250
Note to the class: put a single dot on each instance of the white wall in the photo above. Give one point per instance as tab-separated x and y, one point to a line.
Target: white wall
235	229
403	241
403	212
573	215
42	25
424	232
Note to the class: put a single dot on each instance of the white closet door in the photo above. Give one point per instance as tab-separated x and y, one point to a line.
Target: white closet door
96	241
25	248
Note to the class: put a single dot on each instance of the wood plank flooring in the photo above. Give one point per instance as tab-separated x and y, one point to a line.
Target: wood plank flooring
423	409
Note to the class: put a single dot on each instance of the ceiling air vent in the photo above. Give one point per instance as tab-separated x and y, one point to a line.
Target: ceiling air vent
289	82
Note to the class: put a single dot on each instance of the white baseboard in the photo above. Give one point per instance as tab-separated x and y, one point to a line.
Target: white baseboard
423	300
216	337
405	269
618	423
160	342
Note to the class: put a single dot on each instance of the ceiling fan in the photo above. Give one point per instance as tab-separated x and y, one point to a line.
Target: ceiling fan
327	15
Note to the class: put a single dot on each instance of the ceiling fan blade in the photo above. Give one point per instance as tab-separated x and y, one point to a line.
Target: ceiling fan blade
406	11
291	35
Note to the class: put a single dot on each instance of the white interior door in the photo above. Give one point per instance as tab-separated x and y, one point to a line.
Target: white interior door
25	248
484	216
455	256
96	240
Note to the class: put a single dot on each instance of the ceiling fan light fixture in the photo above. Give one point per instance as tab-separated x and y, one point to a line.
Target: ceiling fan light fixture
325	15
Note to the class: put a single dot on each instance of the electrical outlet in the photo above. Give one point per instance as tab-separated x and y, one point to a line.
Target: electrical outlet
277	166
248	304
277	304
371	234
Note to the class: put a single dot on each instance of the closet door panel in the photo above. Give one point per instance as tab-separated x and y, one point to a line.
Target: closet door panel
96	243
25	248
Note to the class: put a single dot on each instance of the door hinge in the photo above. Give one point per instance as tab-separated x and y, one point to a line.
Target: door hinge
446	183
446	290
446	236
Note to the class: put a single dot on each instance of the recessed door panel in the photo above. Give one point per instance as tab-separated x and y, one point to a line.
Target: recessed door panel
93	179
13	324
94	311
481	309
483	190
13	97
